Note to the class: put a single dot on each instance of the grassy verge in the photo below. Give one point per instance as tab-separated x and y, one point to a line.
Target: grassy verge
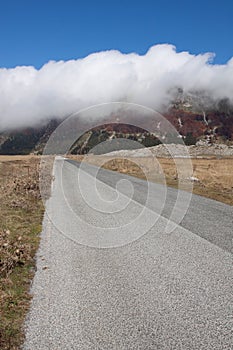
214	176
21	213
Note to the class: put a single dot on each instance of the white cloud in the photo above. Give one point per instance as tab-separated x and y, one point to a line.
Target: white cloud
28	96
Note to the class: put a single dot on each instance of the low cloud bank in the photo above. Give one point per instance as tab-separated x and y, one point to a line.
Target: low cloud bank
29	96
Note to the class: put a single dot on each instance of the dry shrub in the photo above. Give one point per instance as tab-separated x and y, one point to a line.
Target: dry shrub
21	213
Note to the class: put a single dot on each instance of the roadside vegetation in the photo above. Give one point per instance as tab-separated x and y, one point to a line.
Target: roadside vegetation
21	213
212	178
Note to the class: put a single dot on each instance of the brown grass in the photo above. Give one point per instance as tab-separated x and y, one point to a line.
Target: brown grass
215	176
21	214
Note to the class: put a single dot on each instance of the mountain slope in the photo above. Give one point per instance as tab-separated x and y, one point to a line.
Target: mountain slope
195	116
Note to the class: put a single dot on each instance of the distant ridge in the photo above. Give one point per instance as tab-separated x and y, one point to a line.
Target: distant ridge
194	116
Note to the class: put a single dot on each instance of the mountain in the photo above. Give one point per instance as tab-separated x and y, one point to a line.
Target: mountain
198	115
195	116
28	140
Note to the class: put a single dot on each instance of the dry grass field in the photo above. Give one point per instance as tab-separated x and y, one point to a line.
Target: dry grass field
214	176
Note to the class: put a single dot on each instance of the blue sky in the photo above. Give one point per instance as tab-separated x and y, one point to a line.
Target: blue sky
34	32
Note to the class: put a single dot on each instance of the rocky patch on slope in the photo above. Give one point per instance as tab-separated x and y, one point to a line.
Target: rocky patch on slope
177	150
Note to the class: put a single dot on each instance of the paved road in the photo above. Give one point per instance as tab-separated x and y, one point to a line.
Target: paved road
159	291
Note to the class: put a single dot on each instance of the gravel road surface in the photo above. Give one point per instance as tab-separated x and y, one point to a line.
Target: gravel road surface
108	280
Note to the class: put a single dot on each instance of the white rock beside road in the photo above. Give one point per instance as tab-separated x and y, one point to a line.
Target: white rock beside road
178	150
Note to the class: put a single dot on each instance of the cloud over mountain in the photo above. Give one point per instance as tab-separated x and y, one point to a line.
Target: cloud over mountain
29	96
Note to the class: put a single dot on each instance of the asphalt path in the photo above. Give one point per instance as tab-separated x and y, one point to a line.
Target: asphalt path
110	276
